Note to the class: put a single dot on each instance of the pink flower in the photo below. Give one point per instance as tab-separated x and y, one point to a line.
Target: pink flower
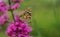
2	4
4	19
18	28
15	6
3	7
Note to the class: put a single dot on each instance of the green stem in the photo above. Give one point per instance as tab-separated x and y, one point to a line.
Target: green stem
11	10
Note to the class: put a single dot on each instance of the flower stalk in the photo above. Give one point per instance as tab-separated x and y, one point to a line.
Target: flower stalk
11	9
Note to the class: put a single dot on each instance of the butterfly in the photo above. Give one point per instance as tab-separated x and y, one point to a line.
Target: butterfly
25	16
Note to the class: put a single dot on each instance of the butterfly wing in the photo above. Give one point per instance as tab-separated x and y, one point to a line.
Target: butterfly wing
26	16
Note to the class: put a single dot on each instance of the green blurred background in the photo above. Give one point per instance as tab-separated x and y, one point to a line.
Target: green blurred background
45	17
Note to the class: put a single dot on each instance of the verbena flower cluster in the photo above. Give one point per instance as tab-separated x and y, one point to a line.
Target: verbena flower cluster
16	4
3	7
18	29
4	18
